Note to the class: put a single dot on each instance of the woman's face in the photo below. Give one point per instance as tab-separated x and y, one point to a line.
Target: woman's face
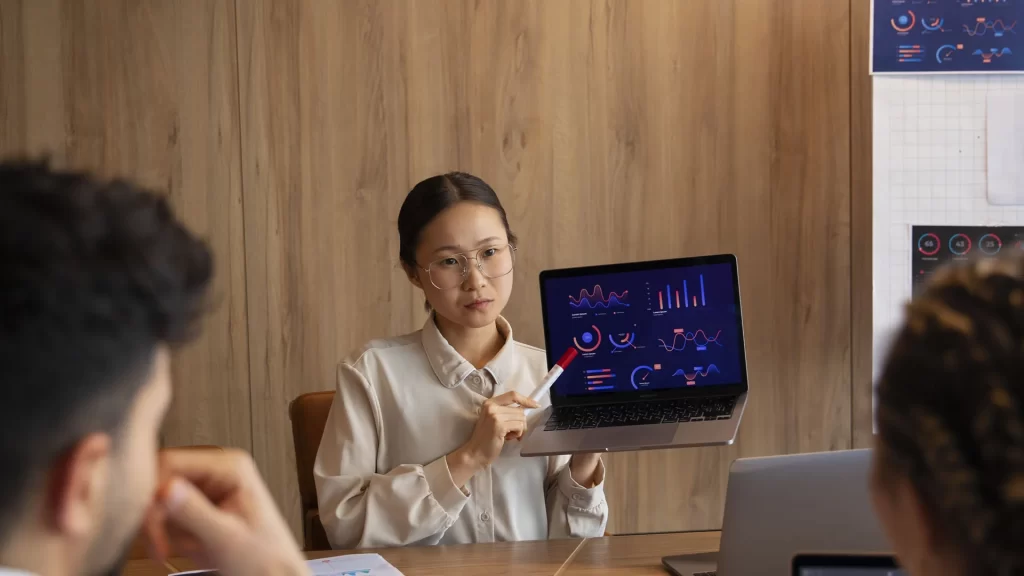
477	232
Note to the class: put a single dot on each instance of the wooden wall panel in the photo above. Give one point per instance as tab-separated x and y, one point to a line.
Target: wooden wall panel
31	94
324	164
12	78
751	159
612	130
288	132
861	215
147	90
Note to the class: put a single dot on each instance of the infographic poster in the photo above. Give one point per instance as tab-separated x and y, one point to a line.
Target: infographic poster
947	36
935	246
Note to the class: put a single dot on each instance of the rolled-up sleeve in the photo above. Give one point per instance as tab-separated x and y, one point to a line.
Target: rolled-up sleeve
361	508
575	511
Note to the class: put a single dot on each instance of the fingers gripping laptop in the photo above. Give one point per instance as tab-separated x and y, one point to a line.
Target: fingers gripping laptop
660	356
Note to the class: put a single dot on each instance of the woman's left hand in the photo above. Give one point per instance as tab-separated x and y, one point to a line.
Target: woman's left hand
583	468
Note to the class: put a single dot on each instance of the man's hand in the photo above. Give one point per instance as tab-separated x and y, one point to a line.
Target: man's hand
214	508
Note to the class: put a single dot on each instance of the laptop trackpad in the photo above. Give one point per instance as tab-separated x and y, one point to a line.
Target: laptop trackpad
628	437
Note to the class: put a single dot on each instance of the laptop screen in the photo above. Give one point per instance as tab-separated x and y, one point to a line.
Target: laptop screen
845	565
645	330
847	571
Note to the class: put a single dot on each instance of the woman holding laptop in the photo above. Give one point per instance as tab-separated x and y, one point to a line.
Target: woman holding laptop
420	445
948	478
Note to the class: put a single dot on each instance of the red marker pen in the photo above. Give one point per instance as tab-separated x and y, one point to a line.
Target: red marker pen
553	375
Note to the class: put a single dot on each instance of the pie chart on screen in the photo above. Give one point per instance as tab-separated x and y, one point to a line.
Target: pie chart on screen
589	341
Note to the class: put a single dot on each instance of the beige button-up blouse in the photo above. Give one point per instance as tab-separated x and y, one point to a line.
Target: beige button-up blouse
401	406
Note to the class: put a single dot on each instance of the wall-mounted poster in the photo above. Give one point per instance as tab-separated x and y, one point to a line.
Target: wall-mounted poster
938	245
947	36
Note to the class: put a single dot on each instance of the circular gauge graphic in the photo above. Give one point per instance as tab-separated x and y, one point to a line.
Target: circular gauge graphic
990	244
622	340
960	244
641	376
945	53
929	244
904	22
591	340
933	24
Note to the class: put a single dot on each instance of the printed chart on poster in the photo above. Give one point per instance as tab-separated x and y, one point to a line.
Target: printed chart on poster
935	246
947	36
649	330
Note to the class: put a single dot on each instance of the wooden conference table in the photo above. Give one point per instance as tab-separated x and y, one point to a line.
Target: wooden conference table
638	555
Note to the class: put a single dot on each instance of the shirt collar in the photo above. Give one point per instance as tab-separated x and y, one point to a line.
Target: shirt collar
452	369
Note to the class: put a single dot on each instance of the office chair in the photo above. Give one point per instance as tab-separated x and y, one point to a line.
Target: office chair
308	414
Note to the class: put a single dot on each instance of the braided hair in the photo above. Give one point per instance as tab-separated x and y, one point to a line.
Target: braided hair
951	409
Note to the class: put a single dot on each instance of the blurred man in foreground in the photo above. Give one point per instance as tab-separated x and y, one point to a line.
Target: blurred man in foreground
98	281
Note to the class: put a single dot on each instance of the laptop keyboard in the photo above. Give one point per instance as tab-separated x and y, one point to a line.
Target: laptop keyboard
641	413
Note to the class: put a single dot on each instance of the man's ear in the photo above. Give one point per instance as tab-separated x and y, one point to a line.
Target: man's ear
77	487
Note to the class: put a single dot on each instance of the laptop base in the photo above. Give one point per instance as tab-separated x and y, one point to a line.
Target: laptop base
541	442
691	564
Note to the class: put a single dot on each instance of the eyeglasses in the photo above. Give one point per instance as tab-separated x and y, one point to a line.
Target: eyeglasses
451	271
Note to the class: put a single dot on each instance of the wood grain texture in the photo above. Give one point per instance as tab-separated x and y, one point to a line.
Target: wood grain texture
323	140
12	78
637	555
612	131
147	90
862	332
288	133
145	568
752	160
536	558
31	90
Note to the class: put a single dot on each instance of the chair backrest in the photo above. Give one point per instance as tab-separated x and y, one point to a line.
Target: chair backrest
309	413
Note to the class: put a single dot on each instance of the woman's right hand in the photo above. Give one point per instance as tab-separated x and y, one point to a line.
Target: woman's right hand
500	420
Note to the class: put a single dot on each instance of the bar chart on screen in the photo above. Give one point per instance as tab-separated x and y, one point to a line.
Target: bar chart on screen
691	296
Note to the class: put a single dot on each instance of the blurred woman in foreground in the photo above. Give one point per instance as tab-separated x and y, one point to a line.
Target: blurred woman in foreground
948	479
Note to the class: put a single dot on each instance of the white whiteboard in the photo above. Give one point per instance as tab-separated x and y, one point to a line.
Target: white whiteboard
929	150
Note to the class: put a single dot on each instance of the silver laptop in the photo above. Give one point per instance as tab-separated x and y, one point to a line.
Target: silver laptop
841	564
660	360
781	506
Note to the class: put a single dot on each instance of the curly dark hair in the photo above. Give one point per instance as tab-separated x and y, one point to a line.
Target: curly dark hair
94	277
951	409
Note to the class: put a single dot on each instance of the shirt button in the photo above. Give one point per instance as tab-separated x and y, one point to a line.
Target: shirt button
484	516
477	379
575	496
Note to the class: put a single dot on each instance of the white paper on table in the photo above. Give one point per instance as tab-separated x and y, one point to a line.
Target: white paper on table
353	565
350	565
1004	120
